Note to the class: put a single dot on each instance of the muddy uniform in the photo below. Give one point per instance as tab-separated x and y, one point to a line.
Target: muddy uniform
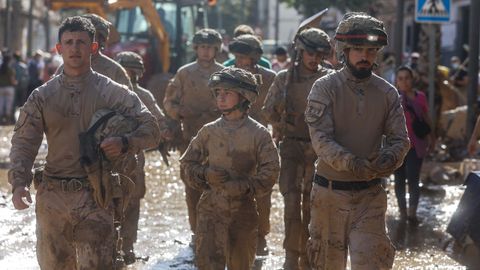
129	226
347	118
106	66
72	231
285	107
263	203
227	215
189	100
267	77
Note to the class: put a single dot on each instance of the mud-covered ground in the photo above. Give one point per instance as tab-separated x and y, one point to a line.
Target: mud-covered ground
164	234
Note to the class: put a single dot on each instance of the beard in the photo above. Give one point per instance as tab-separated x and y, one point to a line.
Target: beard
360	73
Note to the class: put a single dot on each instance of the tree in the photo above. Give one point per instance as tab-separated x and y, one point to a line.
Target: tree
310	7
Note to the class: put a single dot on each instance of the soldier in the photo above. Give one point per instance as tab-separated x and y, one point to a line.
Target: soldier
100	62
284	108
133	64
232	160
189	100
73	231
244	29
248	50
348	114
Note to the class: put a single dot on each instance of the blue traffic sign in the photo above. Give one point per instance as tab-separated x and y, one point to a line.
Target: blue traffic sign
432	11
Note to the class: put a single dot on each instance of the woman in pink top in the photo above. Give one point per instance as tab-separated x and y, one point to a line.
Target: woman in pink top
415	106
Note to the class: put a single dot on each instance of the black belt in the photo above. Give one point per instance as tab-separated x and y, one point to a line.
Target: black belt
69	184
298	139
342	185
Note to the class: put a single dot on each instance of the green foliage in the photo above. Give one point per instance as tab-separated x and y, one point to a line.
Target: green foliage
310	7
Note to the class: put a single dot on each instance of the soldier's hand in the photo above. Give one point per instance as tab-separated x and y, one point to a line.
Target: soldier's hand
236	188
384	163
18	194
362	168
112	147
216	176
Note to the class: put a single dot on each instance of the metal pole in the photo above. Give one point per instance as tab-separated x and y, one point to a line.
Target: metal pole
398	46
277	21
220	14
6	41
243	12
474	35
431	71
30	28
47	30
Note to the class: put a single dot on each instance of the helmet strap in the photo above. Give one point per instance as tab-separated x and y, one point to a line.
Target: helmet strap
242	106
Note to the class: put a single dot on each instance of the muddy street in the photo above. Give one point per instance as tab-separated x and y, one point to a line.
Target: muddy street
164	235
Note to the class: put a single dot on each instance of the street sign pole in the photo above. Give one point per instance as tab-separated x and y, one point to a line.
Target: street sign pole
473	65
431	71
432	12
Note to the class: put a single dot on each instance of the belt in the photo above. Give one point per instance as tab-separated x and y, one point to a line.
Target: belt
342	185
298	139
69	184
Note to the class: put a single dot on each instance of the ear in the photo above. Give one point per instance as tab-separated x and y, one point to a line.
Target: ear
94	47
58	47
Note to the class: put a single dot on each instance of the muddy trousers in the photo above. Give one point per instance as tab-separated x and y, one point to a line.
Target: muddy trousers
349	221
192	196
263	206
129	228
72	231
296	175
225	237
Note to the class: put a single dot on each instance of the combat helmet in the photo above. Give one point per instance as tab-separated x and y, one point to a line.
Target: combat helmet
248	45
357	29
105	174
102	26
239	80
208	36
313	40
132	61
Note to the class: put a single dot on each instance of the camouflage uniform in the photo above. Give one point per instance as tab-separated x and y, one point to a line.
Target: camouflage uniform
347	118
227	215
73	232
189	100
100	62
129	228
251	46
284	108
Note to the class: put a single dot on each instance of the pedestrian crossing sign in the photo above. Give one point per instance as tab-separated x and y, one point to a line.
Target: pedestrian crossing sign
432	11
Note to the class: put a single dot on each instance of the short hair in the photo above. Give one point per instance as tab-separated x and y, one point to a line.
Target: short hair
405	68
77	24
243	29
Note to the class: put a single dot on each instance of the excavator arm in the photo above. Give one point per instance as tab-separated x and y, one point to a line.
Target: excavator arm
156	25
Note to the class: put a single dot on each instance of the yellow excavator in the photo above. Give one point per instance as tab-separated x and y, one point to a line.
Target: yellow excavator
159	30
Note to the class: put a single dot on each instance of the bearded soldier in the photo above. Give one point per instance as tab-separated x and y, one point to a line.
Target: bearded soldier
233	160
100	62
284	108
189	100
74	231
358	132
